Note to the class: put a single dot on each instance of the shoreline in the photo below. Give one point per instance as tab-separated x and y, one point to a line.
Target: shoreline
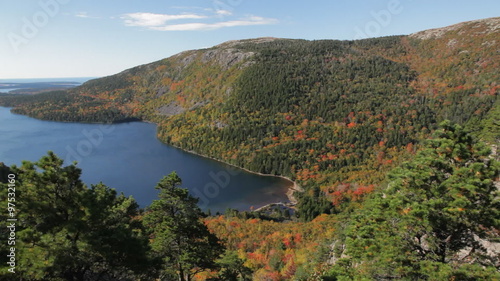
78	122
290	190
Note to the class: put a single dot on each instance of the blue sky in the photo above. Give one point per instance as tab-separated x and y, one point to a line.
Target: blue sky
93	38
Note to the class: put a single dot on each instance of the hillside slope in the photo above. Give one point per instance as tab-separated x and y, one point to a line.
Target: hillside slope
339	117
332	115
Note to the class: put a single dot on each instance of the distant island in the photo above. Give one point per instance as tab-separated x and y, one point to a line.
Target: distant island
30	88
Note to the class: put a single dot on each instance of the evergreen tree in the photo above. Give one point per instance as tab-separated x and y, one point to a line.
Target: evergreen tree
179	239
65	231
428	222
233	268
4	172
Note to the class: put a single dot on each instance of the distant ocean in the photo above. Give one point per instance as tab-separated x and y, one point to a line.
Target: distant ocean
37	80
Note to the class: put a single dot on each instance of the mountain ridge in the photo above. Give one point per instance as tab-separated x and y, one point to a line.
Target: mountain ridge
252	102
373	131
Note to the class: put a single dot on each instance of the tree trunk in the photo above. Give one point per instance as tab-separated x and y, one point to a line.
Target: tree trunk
181	274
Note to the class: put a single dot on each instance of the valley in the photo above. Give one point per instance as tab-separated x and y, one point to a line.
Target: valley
392	141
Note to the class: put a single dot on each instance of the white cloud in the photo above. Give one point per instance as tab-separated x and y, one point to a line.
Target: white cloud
160	22
154	20
84	15
223	12
211	26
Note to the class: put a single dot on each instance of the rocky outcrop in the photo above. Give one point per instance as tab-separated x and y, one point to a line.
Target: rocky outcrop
226	54
234	43
171	109
482	26
489	251
226	58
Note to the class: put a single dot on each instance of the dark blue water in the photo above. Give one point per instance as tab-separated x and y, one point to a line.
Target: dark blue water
129	158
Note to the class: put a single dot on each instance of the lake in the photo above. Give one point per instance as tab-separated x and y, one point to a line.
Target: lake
129	158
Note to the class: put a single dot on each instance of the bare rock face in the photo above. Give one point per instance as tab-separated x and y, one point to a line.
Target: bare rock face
483	26
227	54
233	43
161	91
171	109
226	57
490	252
337	251
188	59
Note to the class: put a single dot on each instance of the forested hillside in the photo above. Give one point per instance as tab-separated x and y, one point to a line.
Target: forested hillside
336	117
321	112
436	218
